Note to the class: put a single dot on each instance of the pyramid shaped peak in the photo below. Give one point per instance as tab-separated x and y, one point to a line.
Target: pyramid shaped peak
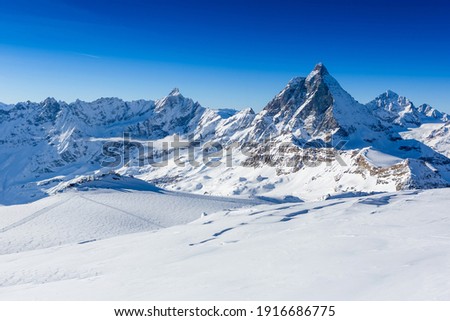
390	93
319	71
175	92
320	67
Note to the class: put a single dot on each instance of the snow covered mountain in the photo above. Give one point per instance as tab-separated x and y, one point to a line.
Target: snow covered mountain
393	108
311	141
435	134
315	107
429	114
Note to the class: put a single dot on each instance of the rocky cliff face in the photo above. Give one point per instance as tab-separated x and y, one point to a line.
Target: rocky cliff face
318	108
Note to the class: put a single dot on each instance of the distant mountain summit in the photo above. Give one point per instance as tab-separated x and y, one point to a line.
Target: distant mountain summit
317	108
311	140
399	110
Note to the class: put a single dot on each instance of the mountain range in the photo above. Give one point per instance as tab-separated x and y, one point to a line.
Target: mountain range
313	140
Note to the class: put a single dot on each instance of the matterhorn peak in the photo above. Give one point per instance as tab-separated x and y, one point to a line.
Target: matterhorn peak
321	69
318	72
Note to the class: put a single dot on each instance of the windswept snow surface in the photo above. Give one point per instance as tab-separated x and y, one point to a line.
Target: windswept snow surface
78	217
435	135
386	246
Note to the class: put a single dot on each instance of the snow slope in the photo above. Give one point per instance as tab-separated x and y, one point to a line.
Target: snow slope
376	158
435	135
96	211
392	246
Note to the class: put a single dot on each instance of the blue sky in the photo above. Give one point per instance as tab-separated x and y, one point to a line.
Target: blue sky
223	53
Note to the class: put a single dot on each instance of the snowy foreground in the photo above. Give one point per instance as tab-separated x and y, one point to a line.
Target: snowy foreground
157	245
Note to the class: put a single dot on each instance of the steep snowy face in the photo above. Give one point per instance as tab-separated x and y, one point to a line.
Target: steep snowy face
303	108
283	107
317	112
399	110
50	110
109	111
434	135
236	127
429	113
395	109
440	140
330	109
173	114
54	122
224	125
52	138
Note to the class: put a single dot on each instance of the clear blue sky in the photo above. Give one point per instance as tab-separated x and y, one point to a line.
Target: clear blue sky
223	53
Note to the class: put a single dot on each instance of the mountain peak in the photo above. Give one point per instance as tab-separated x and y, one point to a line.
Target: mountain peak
321	69
49	101
175	92
390	93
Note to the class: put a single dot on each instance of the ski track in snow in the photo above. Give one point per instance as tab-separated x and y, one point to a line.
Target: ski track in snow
86	216
33	216
122	211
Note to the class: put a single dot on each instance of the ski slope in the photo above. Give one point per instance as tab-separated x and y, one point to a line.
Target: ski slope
77	217
386	246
